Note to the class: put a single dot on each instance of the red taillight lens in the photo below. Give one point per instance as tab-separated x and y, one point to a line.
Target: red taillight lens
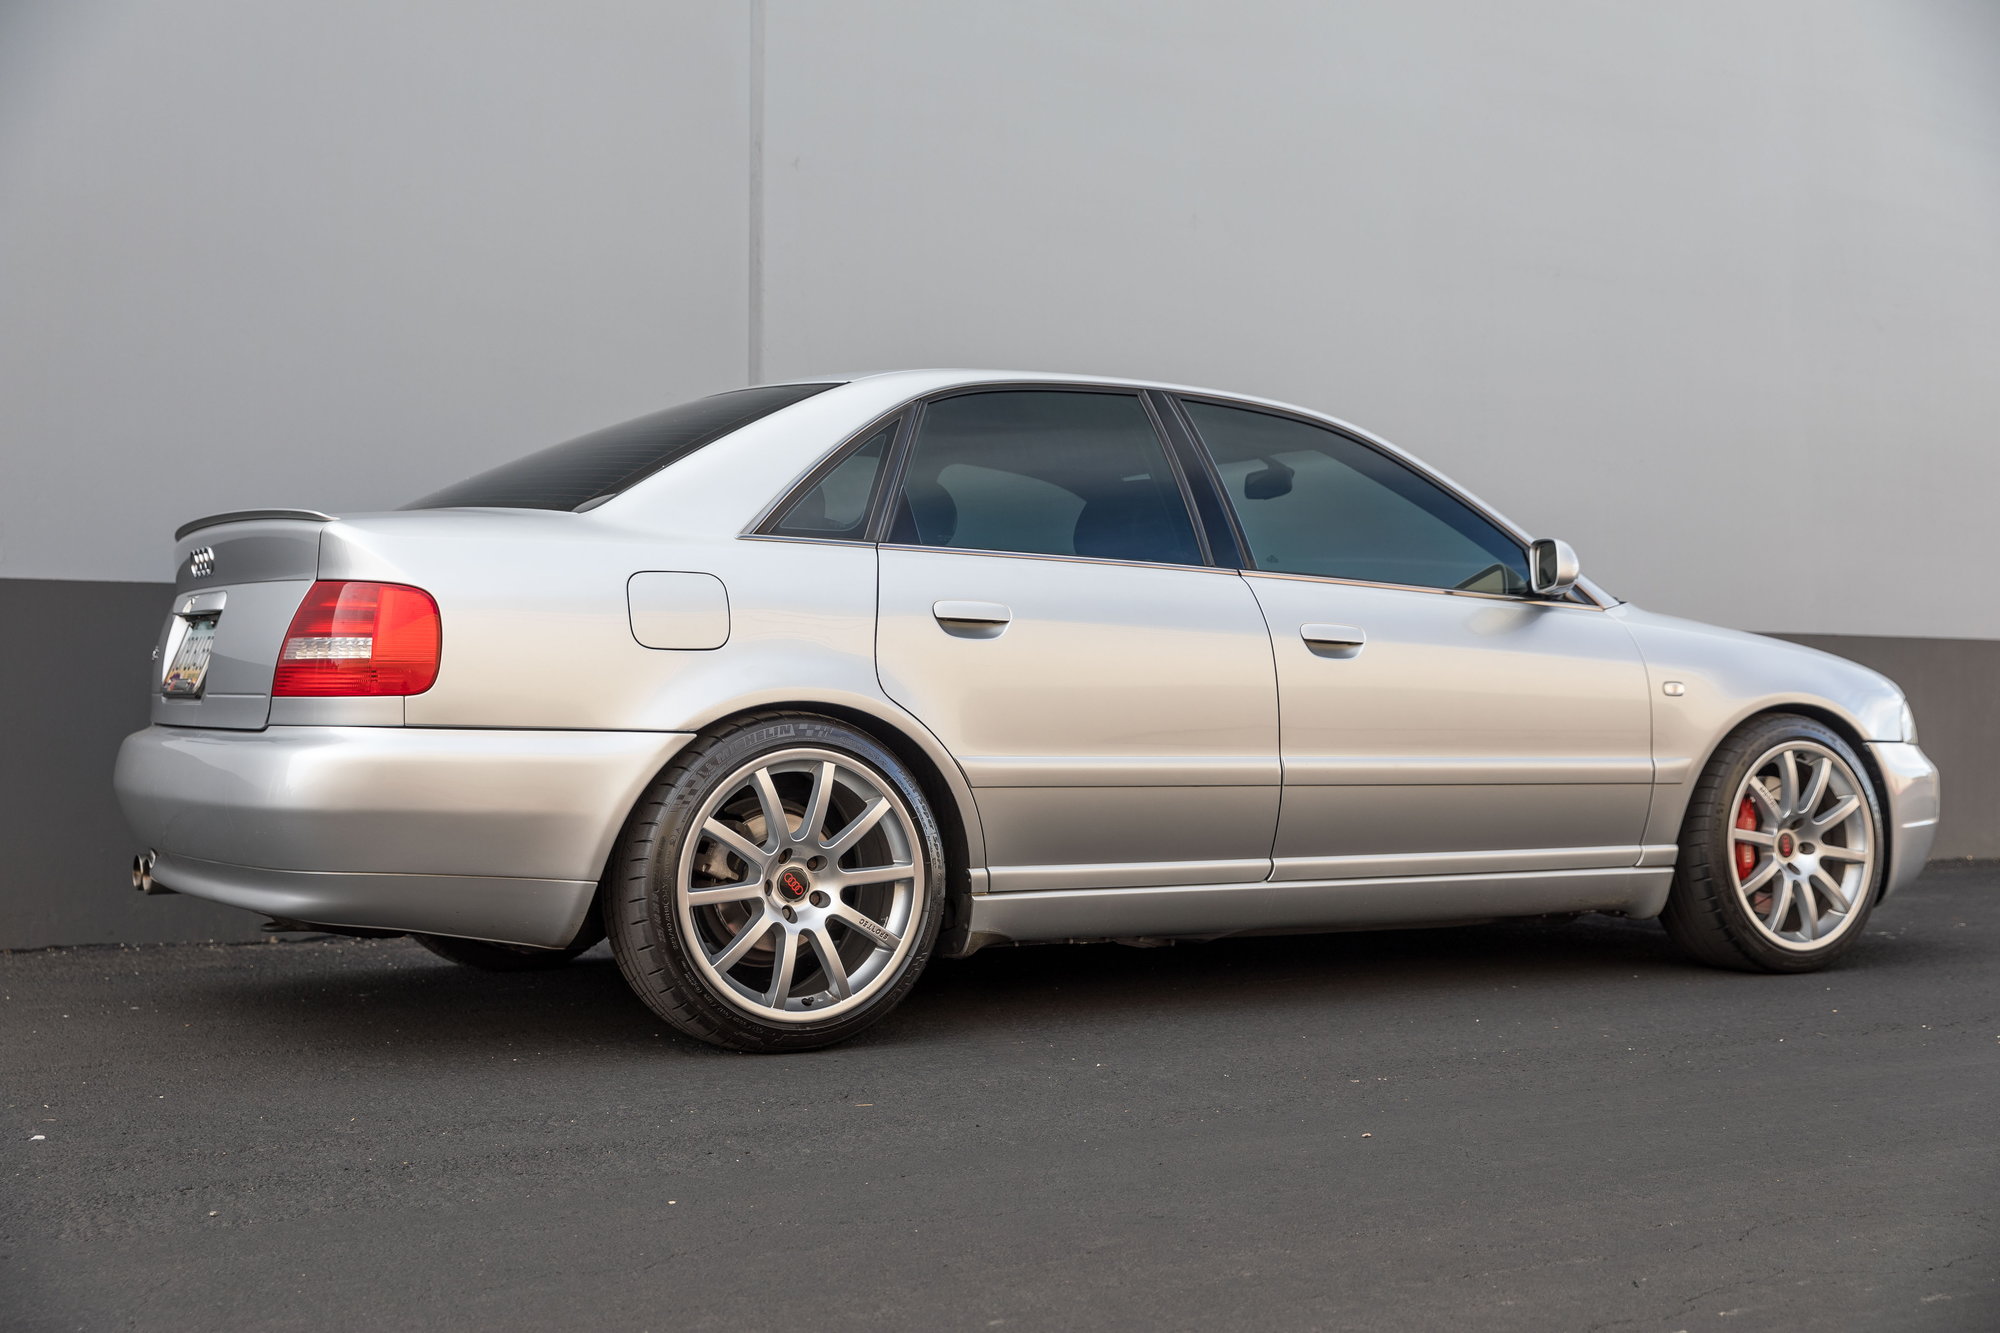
360	638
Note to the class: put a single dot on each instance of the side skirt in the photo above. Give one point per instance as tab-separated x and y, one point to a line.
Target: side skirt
1211	910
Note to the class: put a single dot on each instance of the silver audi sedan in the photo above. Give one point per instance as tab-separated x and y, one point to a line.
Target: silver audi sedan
790	689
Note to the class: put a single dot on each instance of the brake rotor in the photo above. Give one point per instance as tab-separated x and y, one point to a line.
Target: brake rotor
714	863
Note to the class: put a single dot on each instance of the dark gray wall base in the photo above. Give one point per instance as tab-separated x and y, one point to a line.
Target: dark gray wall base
1952	686
74	682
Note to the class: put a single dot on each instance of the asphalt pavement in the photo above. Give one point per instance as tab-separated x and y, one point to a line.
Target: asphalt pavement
1521	1126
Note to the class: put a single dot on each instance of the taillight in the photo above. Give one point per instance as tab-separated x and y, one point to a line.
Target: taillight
360	638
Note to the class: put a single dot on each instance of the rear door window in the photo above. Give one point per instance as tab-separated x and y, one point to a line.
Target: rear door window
599	465
1044	472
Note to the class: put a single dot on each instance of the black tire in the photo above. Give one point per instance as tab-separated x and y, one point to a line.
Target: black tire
489	957
655	942
1705	914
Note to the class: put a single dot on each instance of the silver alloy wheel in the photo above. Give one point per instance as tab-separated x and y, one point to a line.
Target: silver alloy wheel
799	887
1802	848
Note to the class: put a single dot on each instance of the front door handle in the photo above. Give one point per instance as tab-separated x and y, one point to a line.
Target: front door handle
977	613
1335	640
975	620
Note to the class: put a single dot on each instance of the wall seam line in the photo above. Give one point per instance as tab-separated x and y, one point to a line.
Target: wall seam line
754	275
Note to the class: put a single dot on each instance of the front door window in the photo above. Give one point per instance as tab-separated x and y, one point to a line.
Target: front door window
1314	501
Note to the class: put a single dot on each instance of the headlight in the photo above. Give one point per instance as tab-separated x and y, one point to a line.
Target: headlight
1909	723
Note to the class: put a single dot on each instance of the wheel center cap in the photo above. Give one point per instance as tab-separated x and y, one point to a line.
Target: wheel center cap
1785	845
794	884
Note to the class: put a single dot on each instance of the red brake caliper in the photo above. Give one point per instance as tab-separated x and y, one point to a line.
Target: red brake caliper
1746	855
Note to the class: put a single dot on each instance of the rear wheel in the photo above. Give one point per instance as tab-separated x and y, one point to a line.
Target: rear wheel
780	886
1781	853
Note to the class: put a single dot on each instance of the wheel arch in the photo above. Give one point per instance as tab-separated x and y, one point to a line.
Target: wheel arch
1845	728
938	776
1835	721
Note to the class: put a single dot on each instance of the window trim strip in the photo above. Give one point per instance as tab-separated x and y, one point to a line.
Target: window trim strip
981	552
1221	530
1515	598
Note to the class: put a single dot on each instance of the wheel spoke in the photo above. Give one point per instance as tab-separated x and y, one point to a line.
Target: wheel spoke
1822	773
829	963
1808	912
781	969
867	925
1781	902
1762	877
814	823
746	939
850	879
781	957
1788	783
725	893
776	827
843	841
753	855
1845	807
1805	798
1830	889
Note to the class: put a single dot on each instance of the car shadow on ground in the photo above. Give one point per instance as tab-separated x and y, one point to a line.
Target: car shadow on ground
365	995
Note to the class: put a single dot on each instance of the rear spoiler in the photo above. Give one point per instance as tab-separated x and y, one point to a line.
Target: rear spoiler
246	515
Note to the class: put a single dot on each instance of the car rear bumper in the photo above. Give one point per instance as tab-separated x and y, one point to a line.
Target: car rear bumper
1910	801
489	834
545	912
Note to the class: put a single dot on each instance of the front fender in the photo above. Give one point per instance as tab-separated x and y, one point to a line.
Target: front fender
1705	681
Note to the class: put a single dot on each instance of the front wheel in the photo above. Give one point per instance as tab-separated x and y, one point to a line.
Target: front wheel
779	887
1781	852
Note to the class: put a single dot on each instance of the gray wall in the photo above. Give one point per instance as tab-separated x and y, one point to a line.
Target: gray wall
1711	289
335	255
1707	287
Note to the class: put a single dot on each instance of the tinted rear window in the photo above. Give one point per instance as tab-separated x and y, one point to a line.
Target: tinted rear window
607	461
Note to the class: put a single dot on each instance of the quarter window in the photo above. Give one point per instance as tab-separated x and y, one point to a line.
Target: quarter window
1314	501
838	506
1044	472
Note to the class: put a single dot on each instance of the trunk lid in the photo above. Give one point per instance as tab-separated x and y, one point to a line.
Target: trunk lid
238	579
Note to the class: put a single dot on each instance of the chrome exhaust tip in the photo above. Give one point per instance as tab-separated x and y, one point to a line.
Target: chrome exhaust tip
142	873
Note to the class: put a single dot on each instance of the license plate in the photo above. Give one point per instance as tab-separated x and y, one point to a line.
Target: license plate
187	656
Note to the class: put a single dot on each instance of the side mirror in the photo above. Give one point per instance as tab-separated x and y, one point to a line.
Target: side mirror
1553	567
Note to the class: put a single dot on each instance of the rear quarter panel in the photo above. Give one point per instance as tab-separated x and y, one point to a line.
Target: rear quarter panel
537	632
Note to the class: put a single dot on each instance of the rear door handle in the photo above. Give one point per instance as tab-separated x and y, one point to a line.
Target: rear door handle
1334	636
991	614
